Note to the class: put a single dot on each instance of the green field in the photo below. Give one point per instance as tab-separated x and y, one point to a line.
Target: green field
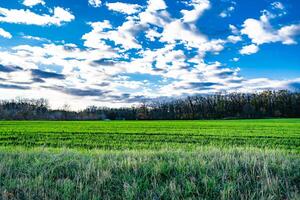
218	159
121	135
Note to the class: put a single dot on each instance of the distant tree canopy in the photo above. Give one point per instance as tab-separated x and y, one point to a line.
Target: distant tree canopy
267	104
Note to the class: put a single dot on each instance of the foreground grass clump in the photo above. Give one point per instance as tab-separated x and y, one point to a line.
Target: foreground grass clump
152	135
206	173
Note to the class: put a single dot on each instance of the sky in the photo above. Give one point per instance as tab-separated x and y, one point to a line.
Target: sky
124	52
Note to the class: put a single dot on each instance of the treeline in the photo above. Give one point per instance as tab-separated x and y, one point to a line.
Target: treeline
267	104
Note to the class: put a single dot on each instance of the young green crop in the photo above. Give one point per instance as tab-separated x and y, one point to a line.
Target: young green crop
120	135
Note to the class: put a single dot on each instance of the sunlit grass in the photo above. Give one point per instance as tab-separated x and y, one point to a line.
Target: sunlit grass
122	135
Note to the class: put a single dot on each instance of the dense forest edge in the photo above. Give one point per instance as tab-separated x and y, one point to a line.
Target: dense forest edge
267	104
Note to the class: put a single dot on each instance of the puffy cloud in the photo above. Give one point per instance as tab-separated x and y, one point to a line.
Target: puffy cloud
178	32
5	34
95	3
58	17
94	39
124	7
261	31
87	75
125	34
155	5
199	6
249	49
31	3
69	66
234	39
166	62
102	31
286	34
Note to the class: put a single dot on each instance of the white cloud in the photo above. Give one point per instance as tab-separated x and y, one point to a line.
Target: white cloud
177	32
234	38
94	39
258	31
287	33
157	18
261	31
199	6
155	5
123	35
59	16
250	49
173	30
5	34
31	3
124	7
95	3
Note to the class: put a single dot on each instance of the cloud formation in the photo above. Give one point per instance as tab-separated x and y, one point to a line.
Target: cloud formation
59	16
198	7
261	31
249	49
149	52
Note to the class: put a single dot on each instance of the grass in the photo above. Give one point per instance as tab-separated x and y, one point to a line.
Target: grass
207	173
234	159
122	135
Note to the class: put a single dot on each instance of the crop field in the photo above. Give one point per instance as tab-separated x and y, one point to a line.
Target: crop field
121	135
217	159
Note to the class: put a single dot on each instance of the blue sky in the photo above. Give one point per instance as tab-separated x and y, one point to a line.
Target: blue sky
119	53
